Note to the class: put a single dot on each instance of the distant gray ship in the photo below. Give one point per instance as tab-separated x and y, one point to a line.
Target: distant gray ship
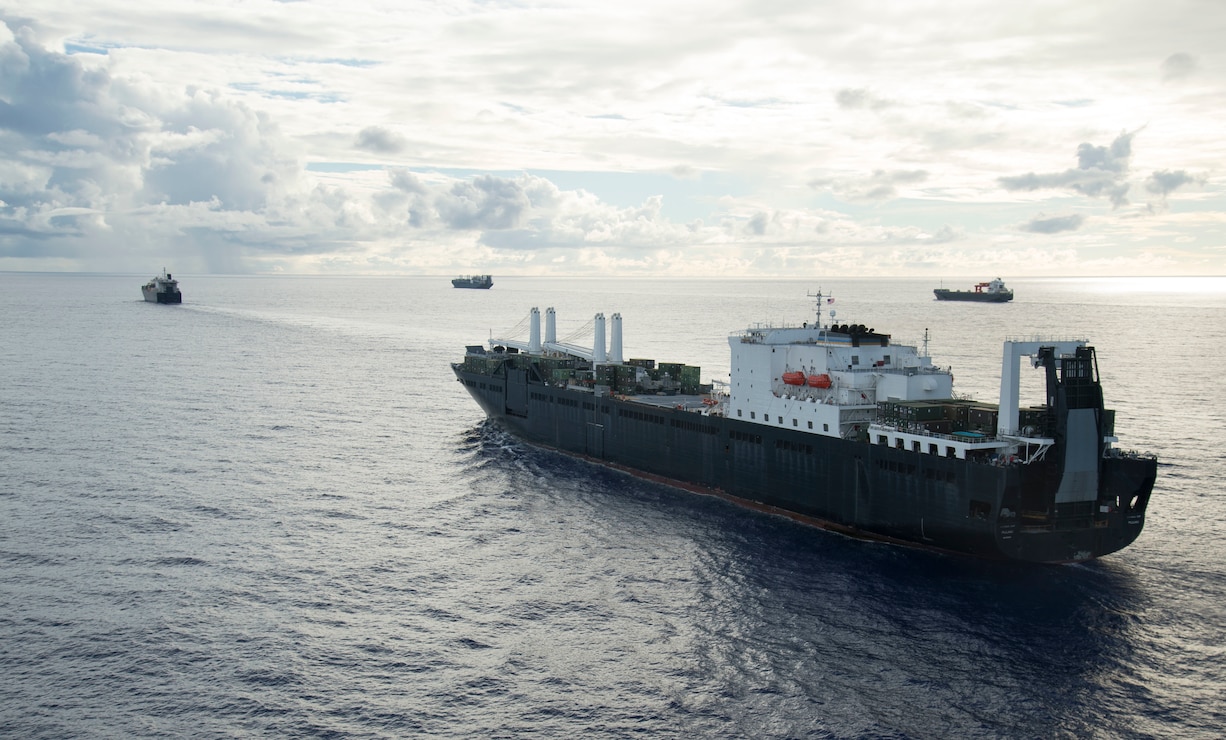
162	289
473	281
990	292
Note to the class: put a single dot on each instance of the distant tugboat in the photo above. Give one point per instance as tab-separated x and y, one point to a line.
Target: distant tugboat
992	292
162	289
473	281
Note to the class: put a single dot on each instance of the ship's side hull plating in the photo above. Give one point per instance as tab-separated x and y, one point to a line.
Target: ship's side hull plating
153	295
969	295
854	487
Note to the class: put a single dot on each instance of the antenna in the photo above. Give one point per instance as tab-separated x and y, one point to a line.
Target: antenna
818	296
925	342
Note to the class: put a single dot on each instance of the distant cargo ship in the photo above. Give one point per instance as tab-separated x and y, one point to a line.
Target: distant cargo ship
473	281
162	289
989	292
836	426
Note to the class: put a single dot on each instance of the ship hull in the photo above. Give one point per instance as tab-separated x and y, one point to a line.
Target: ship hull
155	296
973	296
478	282
856	488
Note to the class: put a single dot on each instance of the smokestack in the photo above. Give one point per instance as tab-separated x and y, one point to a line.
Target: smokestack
534	332
551	327
598	346
615	341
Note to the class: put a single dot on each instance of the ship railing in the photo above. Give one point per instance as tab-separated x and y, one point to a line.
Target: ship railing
1045	339
976	449
899	370
756	334
1128	454
916	429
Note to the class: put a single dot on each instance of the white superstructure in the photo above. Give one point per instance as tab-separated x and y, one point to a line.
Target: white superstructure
832	379
826	379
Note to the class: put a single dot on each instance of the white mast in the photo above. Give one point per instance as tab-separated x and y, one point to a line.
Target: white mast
534	331
598	345
615	341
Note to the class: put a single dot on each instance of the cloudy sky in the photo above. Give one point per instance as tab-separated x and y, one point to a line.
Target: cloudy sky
638	137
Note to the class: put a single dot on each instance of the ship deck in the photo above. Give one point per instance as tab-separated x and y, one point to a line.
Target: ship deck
678	401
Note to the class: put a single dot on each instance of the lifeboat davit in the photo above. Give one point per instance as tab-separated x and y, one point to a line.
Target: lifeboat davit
819	381
794	378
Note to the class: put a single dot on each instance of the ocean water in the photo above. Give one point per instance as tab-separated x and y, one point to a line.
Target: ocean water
271	511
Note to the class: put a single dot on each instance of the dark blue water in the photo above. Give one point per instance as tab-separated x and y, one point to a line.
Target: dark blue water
271	511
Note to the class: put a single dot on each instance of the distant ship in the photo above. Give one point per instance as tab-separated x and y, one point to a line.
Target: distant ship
990	292
836	426
162	289
472	281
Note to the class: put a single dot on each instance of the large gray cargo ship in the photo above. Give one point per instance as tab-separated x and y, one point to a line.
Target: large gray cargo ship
837	426
162	289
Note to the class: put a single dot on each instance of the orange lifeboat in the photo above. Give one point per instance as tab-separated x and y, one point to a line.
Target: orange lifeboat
819	381
794	378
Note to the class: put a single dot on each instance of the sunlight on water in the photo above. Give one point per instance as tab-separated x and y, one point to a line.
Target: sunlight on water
1200	285
272	511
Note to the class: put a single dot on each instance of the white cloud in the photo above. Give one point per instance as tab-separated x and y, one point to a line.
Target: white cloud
1101	171
876	186
379	140
869	139
1164	182
1043	224
1178	66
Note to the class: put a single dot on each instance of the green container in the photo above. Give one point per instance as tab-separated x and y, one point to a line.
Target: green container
672	368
